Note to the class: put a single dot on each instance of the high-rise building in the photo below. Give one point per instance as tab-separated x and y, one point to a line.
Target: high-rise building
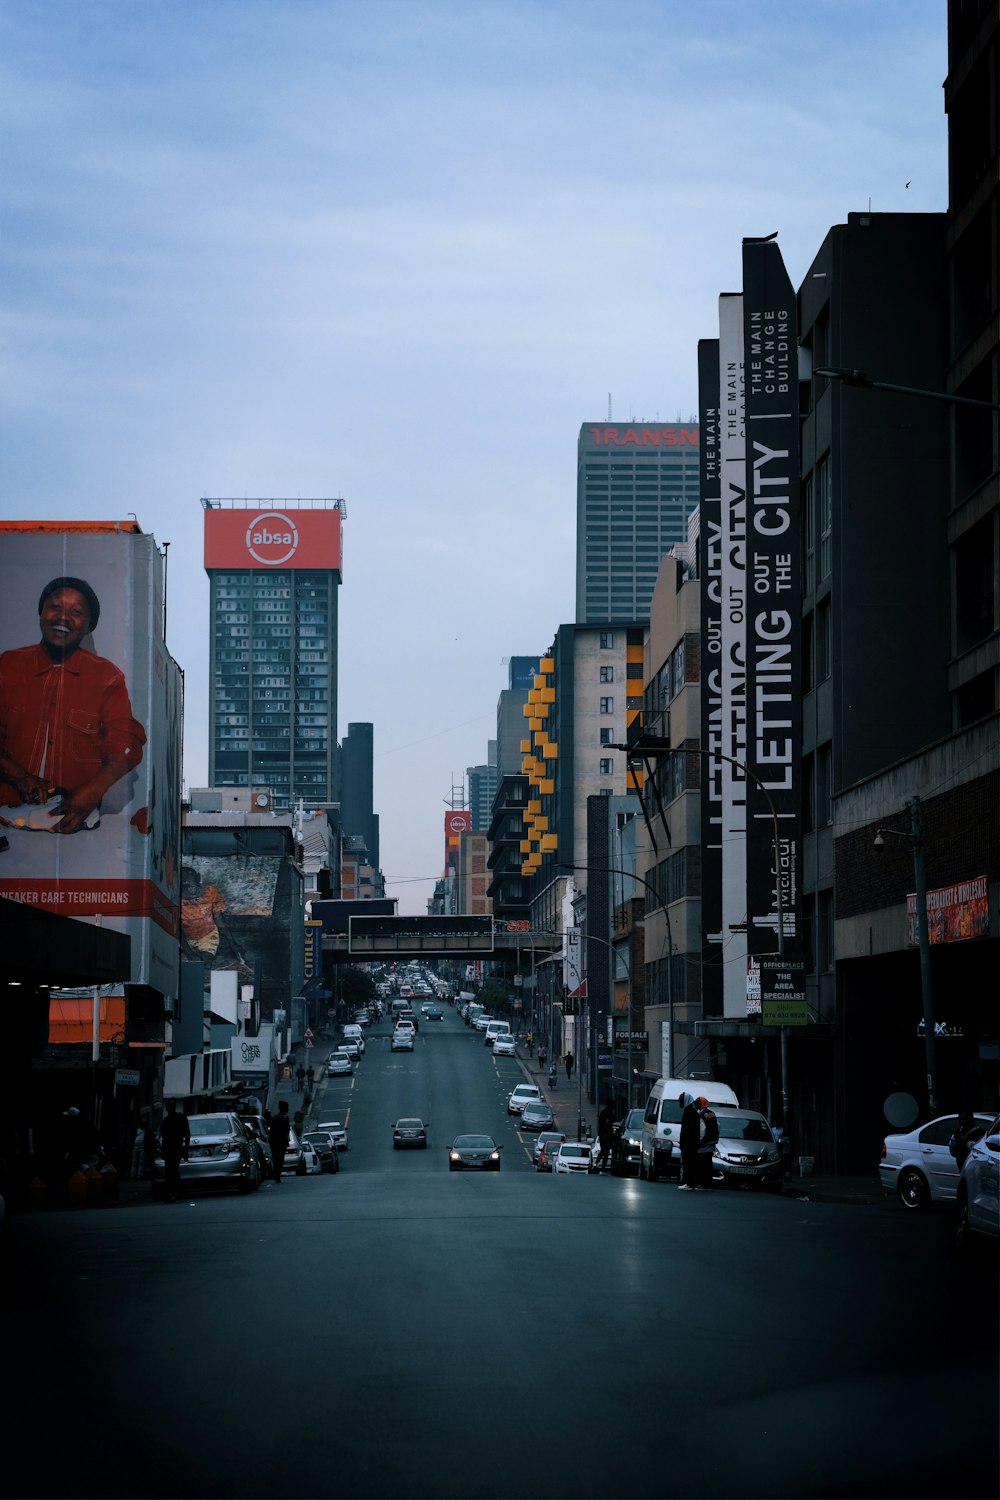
636	486
357	814
483	783
274	571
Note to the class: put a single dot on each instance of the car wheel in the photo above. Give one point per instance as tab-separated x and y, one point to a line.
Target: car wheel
911	1186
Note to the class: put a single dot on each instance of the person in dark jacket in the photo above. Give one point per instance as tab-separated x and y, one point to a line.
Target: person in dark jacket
605	1134
708	1126
278	1130
175	1141
690	1136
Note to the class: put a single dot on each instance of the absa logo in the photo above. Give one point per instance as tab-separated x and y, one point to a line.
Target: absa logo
272	539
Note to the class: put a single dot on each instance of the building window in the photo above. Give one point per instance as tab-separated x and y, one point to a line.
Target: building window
824	784
824	516
824	641
607	736
607	640
607	674
607	705
808	538
607	767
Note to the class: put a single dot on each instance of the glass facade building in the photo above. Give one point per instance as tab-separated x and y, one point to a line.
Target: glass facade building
636	487
273	650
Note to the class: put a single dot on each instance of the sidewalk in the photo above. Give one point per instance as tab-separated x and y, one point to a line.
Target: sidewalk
566	1105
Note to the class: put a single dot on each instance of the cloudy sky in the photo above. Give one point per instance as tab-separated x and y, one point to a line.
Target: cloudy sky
398	251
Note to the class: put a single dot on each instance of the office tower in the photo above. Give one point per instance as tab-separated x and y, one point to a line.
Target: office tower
636	486
483	783
274	571
522	671
356	787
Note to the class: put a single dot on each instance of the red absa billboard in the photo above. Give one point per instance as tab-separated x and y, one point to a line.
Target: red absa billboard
270	535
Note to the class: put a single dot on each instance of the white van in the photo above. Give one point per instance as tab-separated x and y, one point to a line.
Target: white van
352	1032
661	1125
495	1029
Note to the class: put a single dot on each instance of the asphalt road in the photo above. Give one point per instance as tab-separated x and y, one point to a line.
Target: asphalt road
397	1330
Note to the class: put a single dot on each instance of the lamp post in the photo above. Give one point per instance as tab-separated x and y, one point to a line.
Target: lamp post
916	838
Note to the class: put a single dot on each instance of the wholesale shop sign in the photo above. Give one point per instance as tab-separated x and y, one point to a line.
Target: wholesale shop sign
954	912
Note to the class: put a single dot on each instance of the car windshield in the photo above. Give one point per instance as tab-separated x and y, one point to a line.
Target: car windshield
574	1150
474	1143
210	1125
744	1128
409	1124
633	1120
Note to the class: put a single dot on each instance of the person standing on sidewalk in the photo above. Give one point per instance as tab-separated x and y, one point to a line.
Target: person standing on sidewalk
690	1138
278	1130
606	1135
175	1141
708	1127
568	1060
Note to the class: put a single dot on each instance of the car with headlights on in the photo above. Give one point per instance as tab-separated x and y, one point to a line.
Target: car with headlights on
746	1154
323	1144
504	1045
918	1165
525	1093
474	1153
337	1130
409	1132
537	1115
573	1156
977	1199
220	1154
626	1148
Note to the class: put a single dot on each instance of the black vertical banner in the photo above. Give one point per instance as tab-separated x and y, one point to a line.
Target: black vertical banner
710	571
774	614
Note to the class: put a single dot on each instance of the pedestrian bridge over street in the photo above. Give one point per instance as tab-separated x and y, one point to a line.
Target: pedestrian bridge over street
374	939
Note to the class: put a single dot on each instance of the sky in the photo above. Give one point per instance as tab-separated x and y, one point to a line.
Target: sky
398	252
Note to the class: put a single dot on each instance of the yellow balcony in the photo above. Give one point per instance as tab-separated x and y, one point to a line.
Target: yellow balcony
533	807
546	786
550	751
548	695
550	842
526	747
547	664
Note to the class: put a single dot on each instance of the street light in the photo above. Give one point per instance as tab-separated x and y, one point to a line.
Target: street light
916	838
865	382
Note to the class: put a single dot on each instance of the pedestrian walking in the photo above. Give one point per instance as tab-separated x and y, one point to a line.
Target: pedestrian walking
568	1060
689	1140
708	1130
300	1074
605	1135
531	1044
143	1148
175	1142
542	1055
278	1130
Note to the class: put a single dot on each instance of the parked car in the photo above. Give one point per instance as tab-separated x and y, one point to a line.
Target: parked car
312	1166
546	1146
918	1165
257	1132
220	1154
353	1048
339	1065
402	1039
504	1045
537	1115
325	1147
977	1198
362	1018
295	1157
573	1156
409	1132
747	1154
525	1093
353	1032
493	1030
474	1153
337	1130
481	1022
626	1148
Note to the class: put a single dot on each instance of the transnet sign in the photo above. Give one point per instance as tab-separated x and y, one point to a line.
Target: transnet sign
275	538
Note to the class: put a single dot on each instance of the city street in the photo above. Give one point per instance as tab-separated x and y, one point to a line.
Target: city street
397	1330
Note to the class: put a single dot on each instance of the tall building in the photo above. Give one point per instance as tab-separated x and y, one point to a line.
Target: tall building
635	488
522	671
357	814
274	572
483	782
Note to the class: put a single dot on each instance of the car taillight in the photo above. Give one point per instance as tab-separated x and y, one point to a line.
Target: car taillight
884	1153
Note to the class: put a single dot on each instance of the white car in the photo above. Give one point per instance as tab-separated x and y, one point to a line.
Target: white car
337	1130
480	1023
525	1093
918	1164
311	1157
503	1045
573	1156
402	1039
